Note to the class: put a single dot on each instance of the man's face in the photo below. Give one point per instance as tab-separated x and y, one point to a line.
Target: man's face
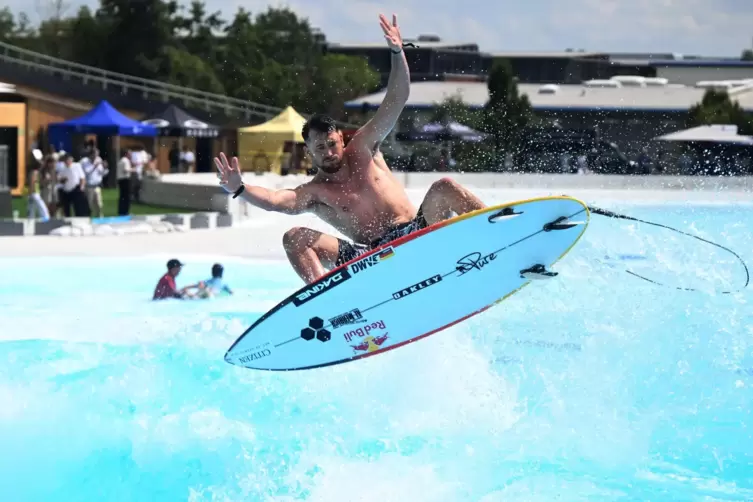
175	271
326	150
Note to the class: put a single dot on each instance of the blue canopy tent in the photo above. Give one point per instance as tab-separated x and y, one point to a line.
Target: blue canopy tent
103	120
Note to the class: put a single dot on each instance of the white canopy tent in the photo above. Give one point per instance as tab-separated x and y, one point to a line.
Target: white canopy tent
715	133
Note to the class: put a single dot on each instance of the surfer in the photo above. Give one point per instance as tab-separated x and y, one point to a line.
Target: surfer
353	190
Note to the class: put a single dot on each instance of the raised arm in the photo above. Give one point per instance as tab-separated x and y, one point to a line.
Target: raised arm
375	130
288	201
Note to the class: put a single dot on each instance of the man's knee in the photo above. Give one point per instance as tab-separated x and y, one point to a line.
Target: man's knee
444	185
298	238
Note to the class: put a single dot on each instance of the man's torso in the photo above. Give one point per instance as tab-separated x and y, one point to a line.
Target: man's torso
93	171
123	169
365	206
138	160
73	174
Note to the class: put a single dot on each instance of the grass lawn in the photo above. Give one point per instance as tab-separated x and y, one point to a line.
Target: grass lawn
110	203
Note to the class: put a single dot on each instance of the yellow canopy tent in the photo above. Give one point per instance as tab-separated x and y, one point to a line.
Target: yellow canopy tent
267	147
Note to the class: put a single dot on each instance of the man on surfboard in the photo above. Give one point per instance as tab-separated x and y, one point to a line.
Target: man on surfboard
353	190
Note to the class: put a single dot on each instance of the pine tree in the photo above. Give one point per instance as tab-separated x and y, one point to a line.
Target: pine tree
507	113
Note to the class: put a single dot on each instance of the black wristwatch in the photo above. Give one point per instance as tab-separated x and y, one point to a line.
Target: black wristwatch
405	44
240	190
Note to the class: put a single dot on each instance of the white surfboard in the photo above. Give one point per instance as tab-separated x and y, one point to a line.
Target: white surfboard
413	287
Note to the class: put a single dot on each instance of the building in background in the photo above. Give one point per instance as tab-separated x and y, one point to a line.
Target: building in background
12	139
428	60
433	59
629	98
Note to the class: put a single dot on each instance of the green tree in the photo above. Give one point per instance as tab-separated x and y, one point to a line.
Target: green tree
274	58
246	71
196	32
150	39
7	24
287	39
189	70
241	62
137	34
747	55
470	156
293	53
338	79
507	112
12	27
716	107
87	39
23	26
454	108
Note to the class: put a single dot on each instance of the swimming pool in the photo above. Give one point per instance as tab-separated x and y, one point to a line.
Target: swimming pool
594	386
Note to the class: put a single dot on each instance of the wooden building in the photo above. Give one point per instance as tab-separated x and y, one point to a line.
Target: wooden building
25	114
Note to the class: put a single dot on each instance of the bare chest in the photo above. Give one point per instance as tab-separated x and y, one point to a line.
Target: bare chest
356	195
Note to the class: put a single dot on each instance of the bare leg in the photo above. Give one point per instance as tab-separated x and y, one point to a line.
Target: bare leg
310	252
445	197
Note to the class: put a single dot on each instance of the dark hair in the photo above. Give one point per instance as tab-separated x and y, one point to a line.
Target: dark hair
174	263
318	123
217	270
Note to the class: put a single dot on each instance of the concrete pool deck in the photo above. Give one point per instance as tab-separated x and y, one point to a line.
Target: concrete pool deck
260	236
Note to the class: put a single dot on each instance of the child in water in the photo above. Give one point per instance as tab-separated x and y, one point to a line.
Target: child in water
211	287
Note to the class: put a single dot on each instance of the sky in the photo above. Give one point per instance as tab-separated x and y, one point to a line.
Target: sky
698	27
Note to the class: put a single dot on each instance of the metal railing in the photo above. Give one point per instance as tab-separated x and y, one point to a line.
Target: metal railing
148	88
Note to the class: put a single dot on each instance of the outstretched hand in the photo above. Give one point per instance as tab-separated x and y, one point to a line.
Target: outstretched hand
391	32
228	173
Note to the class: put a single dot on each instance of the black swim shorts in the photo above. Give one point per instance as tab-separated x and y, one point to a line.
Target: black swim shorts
347	251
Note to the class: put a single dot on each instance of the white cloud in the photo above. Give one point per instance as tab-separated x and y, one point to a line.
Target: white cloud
708	27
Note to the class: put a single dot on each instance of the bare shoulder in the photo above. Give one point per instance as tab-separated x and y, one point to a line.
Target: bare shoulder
360	155
361	146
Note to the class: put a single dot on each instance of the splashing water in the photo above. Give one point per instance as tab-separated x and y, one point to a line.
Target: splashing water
593	386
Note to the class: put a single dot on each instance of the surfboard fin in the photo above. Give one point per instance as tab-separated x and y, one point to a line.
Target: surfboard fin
537	272
561	223
504	214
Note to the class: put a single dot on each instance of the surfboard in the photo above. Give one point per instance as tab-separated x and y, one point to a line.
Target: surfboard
414	286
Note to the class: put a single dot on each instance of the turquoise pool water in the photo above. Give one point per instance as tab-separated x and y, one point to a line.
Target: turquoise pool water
595	386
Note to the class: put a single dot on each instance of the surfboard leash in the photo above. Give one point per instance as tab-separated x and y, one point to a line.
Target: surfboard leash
612	214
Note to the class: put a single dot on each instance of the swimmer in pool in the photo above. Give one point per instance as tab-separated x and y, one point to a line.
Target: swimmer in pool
166	286
211	287
353	190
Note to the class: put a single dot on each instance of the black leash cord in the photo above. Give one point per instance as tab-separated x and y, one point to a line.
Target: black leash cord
611	214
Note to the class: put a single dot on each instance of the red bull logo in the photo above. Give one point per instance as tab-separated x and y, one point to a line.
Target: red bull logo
369	329
371	343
